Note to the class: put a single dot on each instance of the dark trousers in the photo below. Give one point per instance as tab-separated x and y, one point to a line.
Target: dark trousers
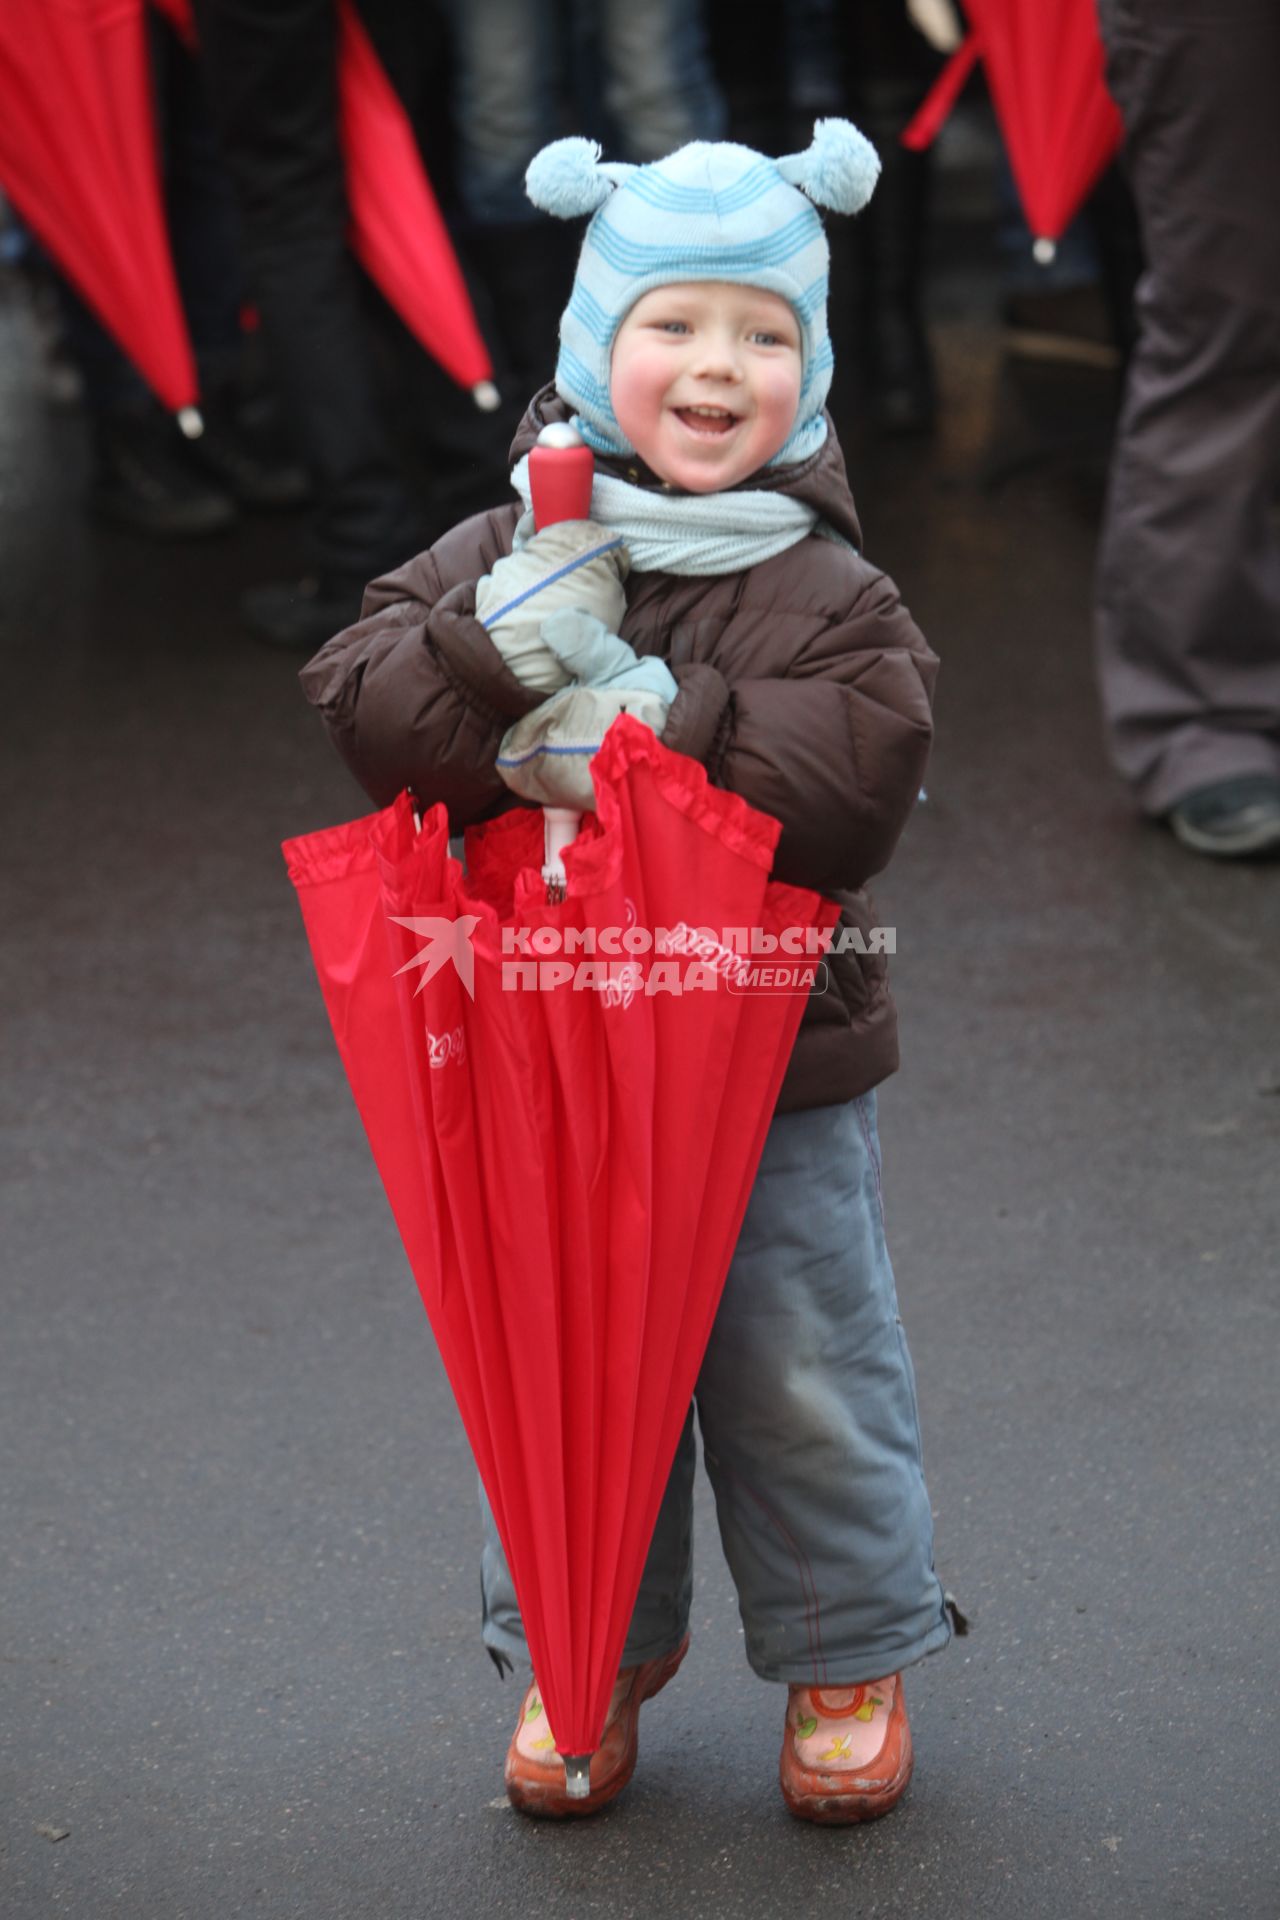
272	71
1189	570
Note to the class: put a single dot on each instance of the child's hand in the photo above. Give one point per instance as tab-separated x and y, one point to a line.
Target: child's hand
575	564
594	657
547	756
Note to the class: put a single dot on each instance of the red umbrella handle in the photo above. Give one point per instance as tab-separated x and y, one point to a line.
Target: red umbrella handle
561	470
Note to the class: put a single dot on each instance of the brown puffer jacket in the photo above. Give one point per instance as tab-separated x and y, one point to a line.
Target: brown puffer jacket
804	685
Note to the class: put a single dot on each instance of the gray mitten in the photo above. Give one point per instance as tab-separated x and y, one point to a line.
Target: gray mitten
594	657
547	756
574	564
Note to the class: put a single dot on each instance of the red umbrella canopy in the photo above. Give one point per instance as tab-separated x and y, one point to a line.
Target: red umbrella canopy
1044	66
591	1081
396	227
78	159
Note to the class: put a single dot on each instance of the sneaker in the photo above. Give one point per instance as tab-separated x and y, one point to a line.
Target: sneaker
1231	819
535	1774
846	1751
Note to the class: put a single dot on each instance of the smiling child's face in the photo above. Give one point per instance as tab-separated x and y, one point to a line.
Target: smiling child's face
705	381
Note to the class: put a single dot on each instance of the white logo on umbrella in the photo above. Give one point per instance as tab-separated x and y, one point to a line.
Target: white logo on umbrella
446	940
444	1047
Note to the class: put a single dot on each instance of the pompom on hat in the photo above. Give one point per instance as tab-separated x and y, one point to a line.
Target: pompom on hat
711	211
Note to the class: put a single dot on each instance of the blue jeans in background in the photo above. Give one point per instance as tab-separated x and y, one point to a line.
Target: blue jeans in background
636	74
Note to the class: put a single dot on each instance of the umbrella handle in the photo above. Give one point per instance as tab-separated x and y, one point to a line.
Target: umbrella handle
560	473
577	1775
561	470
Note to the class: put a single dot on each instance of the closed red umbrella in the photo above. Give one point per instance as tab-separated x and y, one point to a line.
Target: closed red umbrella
587	1145
78	160
396	227
1044	67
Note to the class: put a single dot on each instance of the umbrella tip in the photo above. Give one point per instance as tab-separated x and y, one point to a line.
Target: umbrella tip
486	396
560	435
577	1775
1044	252
191	421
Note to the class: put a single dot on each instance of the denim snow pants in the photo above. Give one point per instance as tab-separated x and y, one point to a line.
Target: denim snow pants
807	1406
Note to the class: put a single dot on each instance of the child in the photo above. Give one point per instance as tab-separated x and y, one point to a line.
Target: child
695	361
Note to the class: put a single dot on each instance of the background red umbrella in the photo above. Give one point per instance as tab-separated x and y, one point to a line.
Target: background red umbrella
180	17
78	159
1044	67
587	1153
397	231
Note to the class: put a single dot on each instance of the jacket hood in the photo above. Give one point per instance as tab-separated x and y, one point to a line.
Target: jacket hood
820	481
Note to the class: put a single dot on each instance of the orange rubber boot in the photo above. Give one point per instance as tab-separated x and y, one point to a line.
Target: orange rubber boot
535	1771
846	1751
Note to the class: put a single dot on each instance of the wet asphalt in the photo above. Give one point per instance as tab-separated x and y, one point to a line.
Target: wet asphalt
239	1659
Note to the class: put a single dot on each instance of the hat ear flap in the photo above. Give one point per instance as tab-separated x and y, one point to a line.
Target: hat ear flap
567	178
838	169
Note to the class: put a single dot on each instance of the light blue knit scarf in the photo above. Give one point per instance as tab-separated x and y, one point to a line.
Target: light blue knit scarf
690	533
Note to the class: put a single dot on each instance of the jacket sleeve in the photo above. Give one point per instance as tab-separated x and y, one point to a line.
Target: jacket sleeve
834	746
415	694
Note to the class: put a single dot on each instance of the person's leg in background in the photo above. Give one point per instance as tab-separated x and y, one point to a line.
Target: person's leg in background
657	85
865	60
888	67
635	75
145	475
142	474
273	82
1188	592
242	448
509	86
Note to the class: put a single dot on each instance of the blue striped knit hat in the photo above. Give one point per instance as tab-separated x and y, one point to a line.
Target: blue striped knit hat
711	211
